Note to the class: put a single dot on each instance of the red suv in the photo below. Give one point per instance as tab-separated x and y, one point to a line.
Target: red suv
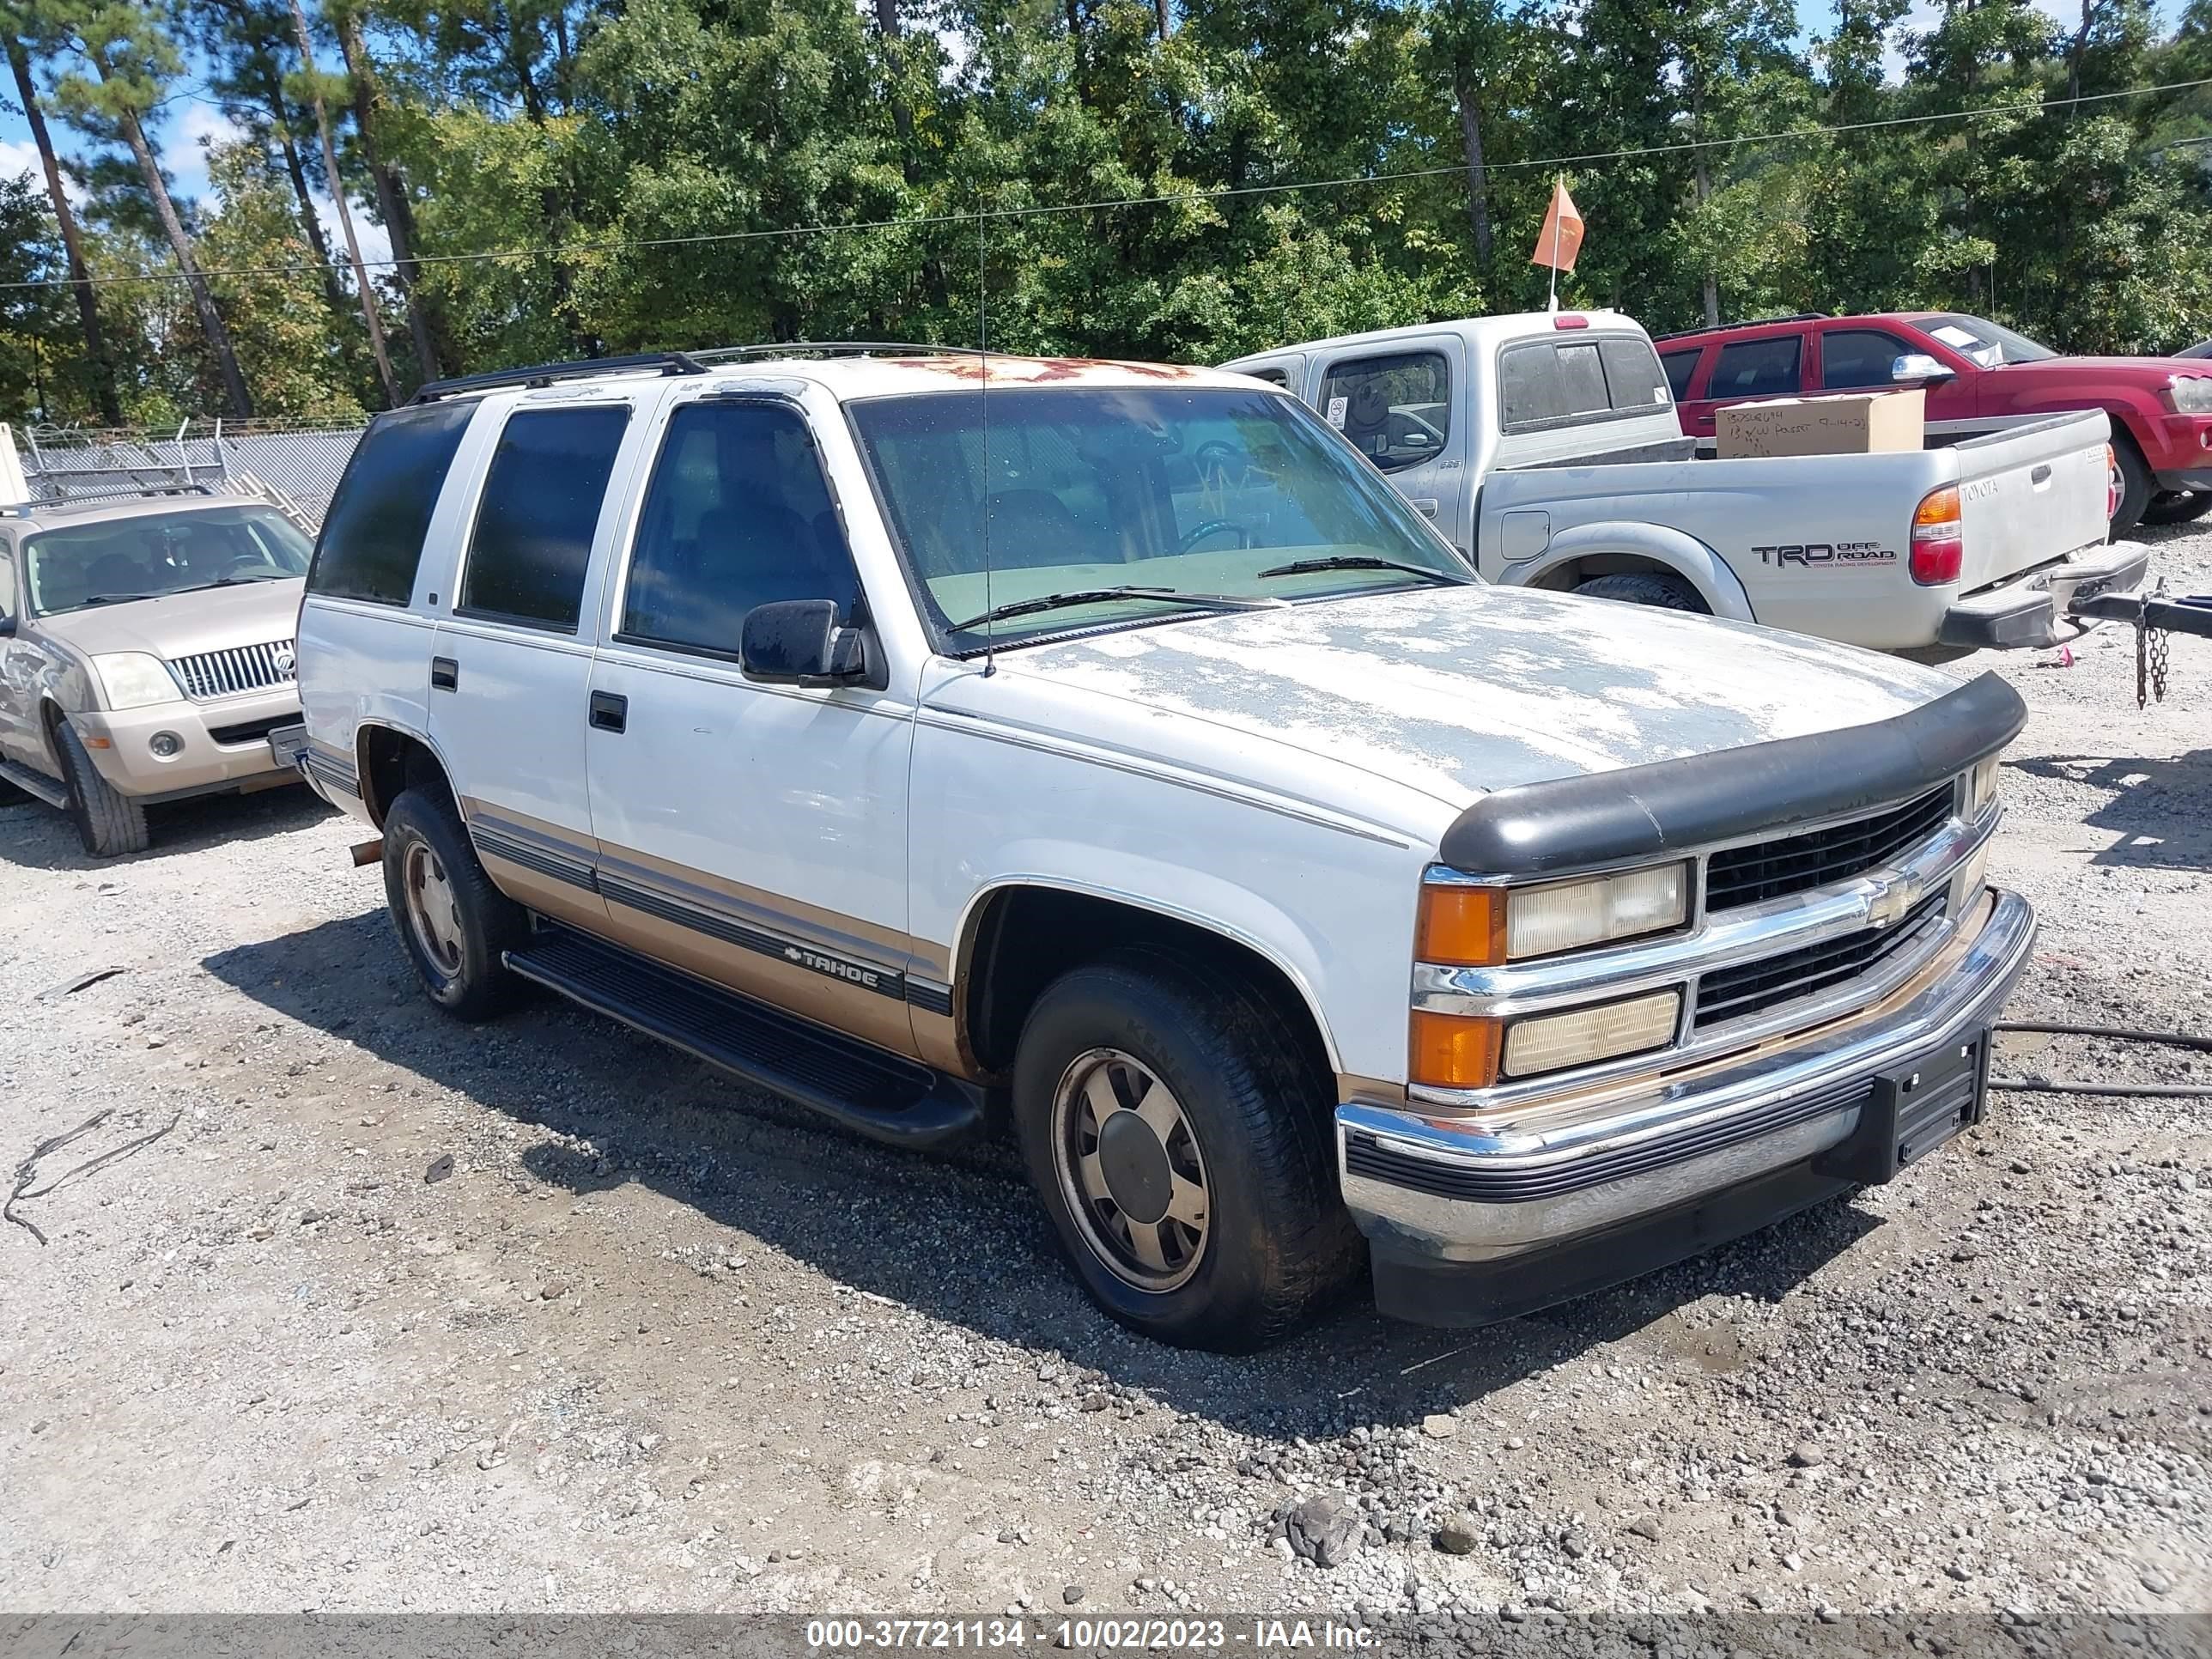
1980	376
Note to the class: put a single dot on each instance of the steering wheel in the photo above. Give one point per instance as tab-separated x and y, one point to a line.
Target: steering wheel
1221	463
1199	532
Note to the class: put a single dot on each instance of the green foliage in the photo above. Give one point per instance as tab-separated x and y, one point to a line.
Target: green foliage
656	172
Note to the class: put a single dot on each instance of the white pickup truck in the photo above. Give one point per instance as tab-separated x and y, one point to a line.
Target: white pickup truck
1104	747
1545	447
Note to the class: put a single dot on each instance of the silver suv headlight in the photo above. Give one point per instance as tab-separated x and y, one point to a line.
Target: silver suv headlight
132	679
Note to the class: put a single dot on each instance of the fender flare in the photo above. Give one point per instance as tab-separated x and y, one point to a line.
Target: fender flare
361	733
1661	544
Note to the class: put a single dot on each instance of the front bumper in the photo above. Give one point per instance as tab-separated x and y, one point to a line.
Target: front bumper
222	745
1476	1218
2033	610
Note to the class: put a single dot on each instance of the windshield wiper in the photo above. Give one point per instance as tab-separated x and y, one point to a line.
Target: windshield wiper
1104	595
1364	562
231	581
116	598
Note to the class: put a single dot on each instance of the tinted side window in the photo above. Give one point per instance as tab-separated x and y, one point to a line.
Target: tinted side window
1858	357
1273	377
1681	365
1631	376
1395	410
372	537
541	502
1757	368
738	515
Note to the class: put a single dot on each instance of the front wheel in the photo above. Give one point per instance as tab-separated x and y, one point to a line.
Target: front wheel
2137	485
456	926
108	821
2177	506
1182	1148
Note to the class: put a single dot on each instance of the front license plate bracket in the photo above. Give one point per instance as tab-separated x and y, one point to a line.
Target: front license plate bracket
1913	1108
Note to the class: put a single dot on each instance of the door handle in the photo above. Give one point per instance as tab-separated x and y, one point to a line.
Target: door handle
609	712
1426	505
2041	475
445	674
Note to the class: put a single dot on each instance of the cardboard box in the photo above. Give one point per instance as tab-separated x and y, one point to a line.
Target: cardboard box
1845	423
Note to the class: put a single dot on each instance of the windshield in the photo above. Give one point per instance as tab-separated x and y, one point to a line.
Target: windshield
157	553
1204	491
1990	345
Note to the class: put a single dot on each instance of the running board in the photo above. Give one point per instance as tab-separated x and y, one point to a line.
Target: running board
899	1102
35	783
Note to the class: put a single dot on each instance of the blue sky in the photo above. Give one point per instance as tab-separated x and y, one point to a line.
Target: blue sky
191	120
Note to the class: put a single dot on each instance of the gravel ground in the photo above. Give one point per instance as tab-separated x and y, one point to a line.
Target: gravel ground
542	1317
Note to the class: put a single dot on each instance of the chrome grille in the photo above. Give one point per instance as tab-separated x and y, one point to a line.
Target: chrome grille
1733	993
1798	863
227	673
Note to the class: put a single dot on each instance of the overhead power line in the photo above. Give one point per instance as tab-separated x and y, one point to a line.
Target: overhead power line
923	222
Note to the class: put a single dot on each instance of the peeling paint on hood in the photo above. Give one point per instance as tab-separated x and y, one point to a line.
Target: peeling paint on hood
1458	691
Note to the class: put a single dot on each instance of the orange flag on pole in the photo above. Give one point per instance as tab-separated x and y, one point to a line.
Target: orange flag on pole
1561	238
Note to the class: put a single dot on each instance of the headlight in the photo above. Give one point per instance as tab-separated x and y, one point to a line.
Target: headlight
2191	394
1481	926
1981	789
132	679
1582	1037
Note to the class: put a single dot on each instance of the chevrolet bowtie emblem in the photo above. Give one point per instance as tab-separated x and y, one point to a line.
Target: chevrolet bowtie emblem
1891	900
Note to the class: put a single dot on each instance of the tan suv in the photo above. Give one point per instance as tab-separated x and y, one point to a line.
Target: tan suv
146	655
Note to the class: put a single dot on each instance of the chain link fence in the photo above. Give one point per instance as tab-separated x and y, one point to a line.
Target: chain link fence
299	459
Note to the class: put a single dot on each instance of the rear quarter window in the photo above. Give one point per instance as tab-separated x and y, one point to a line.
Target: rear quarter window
372	539
1548	382
1680	366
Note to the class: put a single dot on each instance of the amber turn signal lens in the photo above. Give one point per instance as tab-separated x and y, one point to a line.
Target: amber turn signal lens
1461	927
1451	1051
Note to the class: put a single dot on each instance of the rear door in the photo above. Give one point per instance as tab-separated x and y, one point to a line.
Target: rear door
511	667
1765	365
1397	406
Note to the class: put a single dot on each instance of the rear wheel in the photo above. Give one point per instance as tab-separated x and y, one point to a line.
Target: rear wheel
2177	506
1181	1145
108	821
1651	587
457	927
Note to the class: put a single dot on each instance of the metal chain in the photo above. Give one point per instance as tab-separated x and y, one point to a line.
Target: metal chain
2158	639
2150	662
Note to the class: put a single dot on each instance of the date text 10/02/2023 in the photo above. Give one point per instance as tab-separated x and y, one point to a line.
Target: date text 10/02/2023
1255	1635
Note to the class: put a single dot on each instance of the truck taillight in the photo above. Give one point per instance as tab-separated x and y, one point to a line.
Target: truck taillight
1939	546
2114	484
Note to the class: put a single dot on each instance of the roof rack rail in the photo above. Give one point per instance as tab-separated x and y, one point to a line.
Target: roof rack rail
1748	322
668	363
838	349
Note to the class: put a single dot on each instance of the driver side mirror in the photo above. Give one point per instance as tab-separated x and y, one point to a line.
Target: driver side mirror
7	628
800	642
1915	366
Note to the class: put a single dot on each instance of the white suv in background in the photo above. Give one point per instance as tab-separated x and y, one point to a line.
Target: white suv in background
1105	746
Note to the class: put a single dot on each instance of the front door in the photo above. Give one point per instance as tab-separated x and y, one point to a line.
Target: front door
19	669
1398	408
754	835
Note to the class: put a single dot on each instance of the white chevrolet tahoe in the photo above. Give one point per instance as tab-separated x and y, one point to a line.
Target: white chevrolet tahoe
1106	748
1546	445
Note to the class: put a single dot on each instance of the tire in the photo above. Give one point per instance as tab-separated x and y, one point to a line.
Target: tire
2137	485
108	821
459	932
2178	506
1251	1131
1647	587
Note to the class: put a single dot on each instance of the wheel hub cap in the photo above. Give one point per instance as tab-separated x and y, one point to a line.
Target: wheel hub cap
1135	1166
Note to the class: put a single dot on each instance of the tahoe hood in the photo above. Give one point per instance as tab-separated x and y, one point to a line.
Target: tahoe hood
1458	691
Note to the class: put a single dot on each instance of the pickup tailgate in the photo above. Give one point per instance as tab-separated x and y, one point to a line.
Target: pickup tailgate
2030	495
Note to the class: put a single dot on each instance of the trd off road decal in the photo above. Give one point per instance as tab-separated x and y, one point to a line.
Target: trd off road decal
1812	554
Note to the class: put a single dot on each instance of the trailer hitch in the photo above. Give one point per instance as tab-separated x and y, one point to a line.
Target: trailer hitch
2154	617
